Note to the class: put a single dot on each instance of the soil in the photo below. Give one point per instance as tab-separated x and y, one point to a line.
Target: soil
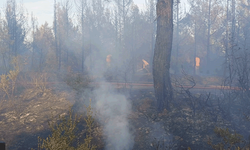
26	117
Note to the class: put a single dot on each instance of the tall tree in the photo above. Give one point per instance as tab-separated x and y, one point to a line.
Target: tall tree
56	35
44	44
123	7
233	23
150	8
208	32
16	21
64	29
81	5
177	33
66	8
16	26
4	44
162	53
33	23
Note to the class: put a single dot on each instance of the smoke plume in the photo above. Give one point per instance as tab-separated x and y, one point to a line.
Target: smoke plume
113	108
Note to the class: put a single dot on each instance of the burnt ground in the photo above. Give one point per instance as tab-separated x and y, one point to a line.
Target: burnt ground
24	119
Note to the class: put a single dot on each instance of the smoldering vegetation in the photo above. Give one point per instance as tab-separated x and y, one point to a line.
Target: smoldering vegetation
96	60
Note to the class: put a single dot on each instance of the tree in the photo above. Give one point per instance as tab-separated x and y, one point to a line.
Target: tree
208	31
123	7
34	24
43	48
16	21
65	30
150	8
80	5
66	8
56	37
205	21
4	44
162	53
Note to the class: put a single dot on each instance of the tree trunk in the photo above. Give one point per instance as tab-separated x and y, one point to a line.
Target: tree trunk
195	46
177	38
55	32
162	54
82	25
208	34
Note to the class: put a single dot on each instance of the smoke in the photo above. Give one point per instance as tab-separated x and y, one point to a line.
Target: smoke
160	136
112	108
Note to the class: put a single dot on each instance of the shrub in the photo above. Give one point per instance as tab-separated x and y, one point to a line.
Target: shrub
64	136
228	140
77	81
8	82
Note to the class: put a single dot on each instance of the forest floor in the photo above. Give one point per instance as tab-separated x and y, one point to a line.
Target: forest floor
24	119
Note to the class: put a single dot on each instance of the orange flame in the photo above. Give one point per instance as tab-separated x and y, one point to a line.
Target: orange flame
145	63
108	58
197	61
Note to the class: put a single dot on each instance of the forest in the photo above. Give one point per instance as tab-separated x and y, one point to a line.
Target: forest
88	81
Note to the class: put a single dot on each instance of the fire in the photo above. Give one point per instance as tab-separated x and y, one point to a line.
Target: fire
145	64
108	60
197	61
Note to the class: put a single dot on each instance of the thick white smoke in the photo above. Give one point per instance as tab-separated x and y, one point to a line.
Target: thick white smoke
113	107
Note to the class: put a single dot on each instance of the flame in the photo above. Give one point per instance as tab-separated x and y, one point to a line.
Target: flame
197	61
145	63
108	58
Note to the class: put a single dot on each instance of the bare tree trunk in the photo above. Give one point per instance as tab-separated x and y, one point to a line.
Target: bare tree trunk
227	30
14	29
82	24
233	24
195	45
67	8
177	38
33	36
162	54
208	33
153	23
116	30
59	52
55	32
226	41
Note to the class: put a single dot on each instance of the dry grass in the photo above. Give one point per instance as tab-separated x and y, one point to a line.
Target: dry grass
26	110
29	113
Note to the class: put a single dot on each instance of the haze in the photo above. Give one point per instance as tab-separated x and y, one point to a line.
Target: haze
96	59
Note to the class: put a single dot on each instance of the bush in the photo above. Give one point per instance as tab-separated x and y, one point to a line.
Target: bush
64	136
228	140
77	81
8	82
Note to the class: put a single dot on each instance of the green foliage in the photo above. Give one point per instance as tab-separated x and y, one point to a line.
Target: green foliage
89	135
229	140
64	134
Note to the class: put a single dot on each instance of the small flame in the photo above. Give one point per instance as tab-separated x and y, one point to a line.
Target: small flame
197	61
145	63
108	58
